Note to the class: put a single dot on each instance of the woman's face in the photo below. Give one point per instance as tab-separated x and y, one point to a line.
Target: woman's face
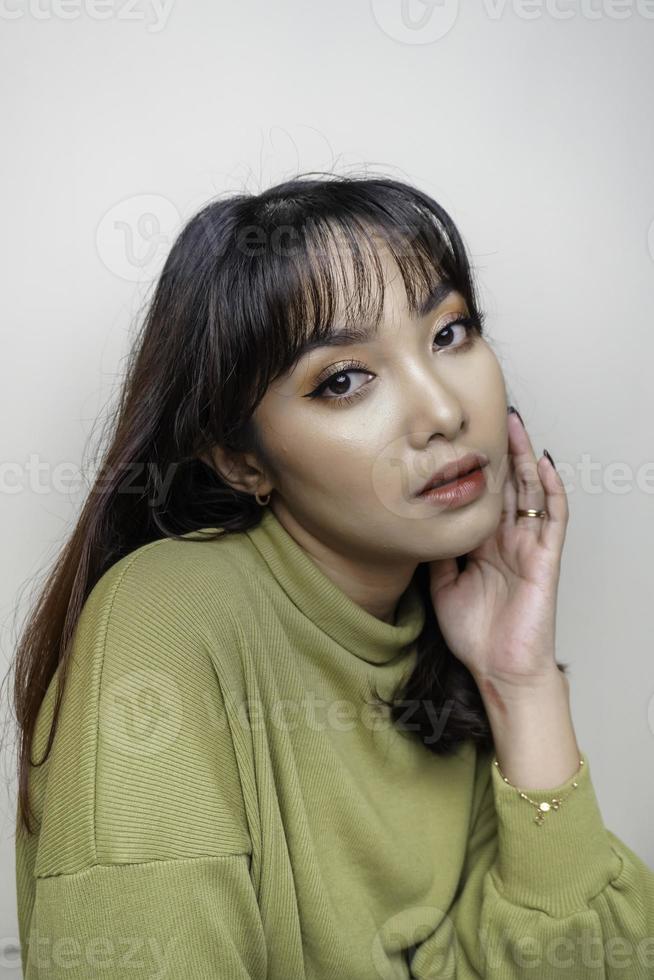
422	396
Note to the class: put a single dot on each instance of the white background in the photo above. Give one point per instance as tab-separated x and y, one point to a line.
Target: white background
531	123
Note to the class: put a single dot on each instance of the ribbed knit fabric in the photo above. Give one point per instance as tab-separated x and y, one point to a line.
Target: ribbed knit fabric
225	799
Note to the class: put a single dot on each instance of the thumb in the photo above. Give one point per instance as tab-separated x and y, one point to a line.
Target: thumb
442	572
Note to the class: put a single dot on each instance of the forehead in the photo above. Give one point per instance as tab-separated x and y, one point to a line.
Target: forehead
341	335
354	283
428	283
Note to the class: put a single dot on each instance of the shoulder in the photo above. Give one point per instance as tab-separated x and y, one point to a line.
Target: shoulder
173	594
165	623
155	652
178	582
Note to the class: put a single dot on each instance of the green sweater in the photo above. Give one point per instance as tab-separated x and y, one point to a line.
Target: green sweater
224	800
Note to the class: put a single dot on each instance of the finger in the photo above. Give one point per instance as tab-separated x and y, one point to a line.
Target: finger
530	490
442	572
510	494
555	524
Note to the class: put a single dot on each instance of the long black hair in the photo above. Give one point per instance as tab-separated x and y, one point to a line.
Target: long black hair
248	280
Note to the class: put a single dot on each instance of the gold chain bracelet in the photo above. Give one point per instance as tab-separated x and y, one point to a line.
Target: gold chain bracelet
545	806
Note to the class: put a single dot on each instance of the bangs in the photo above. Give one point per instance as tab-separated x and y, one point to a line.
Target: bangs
319	269
341	278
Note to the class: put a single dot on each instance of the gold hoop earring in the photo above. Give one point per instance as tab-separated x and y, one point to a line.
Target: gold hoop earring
262	503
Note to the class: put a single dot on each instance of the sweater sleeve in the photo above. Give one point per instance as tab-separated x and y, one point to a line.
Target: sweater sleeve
195	917
567	898
144	855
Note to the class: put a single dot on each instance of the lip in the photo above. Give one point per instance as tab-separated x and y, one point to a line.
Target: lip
455	470
458	492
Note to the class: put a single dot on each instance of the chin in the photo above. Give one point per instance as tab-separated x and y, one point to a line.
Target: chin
451	537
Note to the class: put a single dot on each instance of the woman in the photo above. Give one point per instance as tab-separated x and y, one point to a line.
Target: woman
312	723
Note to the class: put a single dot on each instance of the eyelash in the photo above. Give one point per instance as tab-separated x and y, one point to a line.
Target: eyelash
471	325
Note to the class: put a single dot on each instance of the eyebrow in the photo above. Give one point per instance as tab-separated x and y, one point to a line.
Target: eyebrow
348	336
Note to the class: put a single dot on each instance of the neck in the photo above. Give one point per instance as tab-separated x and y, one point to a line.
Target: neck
375	587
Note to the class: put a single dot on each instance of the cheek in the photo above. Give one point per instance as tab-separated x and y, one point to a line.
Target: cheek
489	415
487	389
314	451
486	366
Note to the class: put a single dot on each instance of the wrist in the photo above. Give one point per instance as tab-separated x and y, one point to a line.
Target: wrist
560	867
500	693
533	733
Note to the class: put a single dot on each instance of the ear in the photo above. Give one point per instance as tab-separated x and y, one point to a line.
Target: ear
241	471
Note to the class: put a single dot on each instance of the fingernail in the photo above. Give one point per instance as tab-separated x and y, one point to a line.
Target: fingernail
545	453
514	411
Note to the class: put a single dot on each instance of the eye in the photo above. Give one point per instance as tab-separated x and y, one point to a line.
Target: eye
339	384
468	324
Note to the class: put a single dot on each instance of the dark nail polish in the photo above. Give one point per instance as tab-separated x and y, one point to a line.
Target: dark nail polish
545	453
514	411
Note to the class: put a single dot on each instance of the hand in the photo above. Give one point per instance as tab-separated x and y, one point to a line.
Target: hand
498	616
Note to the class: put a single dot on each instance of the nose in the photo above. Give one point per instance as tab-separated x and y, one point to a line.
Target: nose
432	408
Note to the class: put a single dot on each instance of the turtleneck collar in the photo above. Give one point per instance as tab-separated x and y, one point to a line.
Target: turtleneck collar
325	603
